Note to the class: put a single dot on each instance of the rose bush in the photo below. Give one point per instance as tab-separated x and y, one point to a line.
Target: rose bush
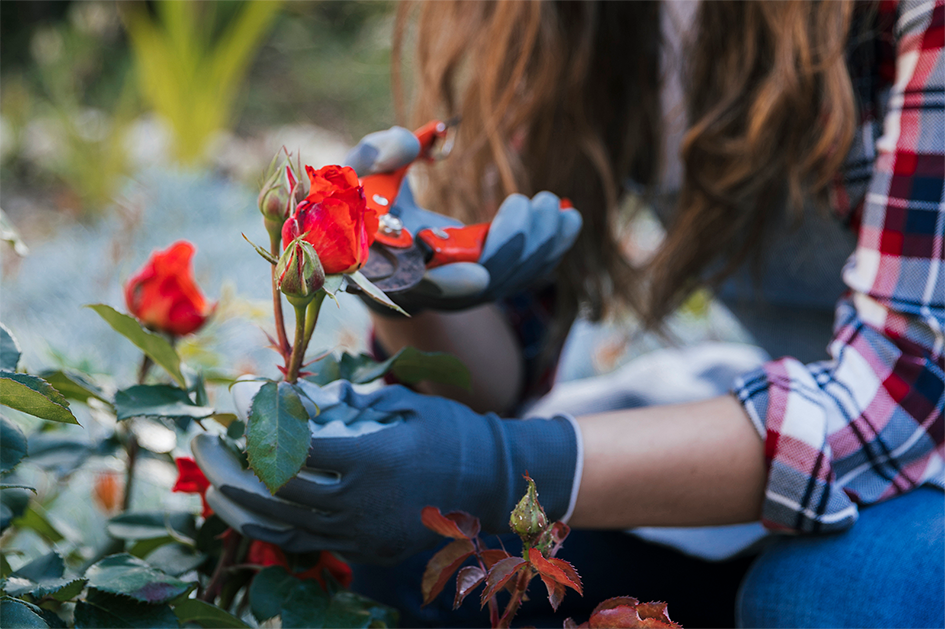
163	294
334	219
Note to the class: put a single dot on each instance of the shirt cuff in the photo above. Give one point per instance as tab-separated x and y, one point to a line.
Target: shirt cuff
790	412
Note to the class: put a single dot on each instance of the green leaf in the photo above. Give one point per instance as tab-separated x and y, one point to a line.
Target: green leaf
20	614
59	589
49	566
9	350
157	400
349	609
34	519
152	524
129	576
103	611
176	559
277	436
60	450
12	445
374	292
206	615
160	351
34	396
6	517
199	390
268	591
409	366
326	370
144	547
305	606
74	386
10	235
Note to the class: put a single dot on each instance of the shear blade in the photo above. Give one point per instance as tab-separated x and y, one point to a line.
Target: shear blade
394	270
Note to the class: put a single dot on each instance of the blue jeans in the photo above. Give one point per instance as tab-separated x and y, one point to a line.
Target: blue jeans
888	570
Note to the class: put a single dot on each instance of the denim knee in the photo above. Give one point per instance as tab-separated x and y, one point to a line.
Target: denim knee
888	570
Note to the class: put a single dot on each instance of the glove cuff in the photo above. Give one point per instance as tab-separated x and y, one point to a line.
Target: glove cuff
551	451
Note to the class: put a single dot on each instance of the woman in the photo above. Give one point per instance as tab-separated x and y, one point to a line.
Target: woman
787	104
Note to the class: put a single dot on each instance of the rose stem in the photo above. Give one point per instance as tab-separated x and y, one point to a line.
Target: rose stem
292	375
227	558
515	602
277	302
131	444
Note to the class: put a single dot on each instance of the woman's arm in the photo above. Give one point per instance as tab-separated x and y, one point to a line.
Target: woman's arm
691	464
480	337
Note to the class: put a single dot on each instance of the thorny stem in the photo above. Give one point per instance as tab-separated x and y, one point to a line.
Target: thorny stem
227	558
493	608
298	349
283	340
131	443
521	584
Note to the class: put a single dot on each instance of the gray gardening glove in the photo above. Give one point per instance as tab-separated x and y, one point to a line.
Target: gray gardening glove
377	459
526	241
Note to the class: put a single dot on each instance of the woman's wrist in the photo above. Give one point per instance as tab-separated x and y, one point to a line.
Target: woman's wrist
695	464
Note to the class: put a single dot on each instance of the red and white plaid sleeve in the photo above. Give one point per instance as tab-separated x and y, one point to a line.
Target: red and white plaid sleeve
868	424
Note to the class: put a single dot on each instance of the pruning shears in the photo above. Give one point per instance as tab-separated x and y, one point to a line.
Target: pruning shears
398	259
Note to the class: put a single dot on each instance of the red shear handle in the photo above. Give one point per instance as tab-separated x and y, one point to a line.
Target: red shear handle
454	244
380	190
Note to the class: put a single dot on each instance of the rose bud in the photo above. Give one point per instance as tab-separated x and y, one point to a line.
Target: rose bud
163	294
528	519
277	196
335	219
299	274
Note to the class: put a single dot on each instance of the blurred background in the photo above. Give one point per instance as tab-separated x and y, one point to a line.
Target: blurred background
94	91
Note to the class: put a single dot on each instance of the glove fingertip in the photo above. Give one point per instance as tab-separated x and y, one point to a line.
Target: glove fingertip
456	280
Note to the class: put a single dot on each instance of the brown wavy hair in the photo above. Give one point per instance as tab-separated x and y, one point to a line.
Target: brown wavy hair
564	96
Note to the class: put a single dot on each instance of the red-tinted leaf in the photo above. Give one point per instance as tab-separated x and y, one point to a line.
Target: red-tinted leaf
466	581
493	556
442	566
500	574
570	624
626	611
616	601
619	617
558	533
556	592
655	614
571	573
456	524
552	572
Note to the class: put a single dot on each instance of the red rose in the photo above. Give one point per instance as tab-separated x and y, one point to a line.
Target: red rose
266	554
191	480
339	224
163	294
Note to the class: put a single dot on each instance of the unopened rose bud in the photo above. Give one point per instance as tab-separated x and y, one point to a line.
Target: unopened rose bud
277	196
528	519
108	491
299	273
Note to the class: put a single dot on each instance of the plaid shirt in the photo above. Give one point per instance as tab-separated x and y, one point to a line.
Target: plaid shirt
868	424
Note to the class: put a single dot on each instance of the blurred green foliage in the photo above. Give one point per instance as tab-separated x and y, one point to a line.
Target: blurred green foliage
79	79
192	59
